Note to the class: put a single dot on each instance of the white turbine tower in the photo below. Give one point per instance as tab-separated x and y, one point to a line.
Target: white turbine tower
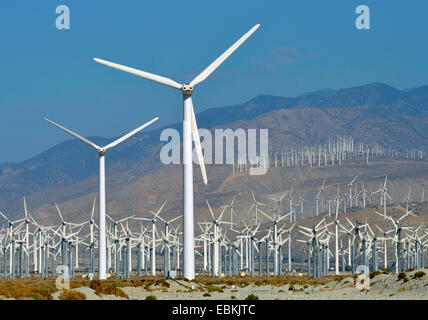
189	129
350	190
102	270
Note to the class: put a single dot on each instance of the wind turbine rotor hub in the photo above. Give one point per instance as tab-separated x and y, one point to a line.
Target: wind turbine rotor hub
187	89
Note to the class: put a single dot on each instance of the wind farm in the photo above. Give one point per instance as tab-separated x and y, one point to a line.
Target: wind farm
315	196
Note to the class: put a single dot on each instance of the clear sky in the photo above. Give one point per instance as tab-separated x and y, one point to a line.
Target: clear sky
301	46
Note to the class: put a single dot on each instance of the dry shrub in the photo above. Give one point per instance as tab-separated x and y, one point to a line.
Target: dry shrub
212	288
252	297
113	289
151	297
27	289
182	278
97	286
107	288
419	274
403	276
374	274
162	282
71	295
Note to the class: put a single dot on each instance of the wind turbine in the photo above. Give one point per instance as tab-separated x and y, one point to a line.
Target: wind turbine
364	192
383	196
384	239
316	198
216	222
154	232
232	211
10	233
322	195
275	241
278	205
256	209
407	199
301	200
350	191
102	270
397	237
189	129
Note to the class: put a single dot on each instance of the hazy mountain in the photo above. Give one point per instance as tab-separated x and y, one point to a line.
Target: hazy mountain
324	93
370	113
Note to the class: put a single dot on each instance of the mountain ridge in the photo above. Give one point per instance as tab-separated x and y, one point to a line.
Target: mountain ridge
370	112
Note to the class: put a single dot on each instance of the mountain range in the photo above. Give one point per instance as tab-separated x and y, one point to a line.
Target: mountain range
372	113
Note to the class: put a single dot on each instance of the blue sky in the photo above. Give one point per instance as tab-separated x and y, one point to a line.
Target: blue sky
300	46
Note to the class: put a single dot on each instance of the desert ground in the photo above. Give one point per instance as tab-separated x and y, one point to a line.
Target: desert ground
381	285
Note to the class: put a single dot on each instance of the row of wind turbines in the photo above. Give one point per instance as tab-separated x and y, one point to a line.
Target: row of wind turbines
335	152
225	245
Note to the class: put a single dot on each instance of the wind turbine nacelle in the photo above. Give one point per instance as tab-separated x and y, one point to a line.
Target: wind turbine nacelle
187	89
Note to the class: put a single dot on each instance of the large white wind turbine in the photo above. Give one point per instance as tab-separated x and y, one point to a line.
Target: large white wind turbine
102	270
189	129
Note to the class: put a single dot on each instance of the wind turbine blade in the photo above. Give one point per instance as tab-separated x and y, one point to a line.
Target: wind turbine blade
2	214
233	200
209	207
176	218
143	74
254	198
210	69
384	185
379	228
109	218
93	145
305	228
283	195
93	209
124	219
196	139
159	211
264	214
130	134
59	212
284	216
306	234
381	214
221	214
322	220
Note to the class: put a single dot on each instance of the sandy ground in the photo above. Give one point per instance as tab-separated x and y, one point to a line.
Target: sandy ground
382	286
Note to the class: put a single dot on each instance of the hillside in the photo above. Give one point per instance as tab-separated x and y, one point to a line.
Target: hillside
373	113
